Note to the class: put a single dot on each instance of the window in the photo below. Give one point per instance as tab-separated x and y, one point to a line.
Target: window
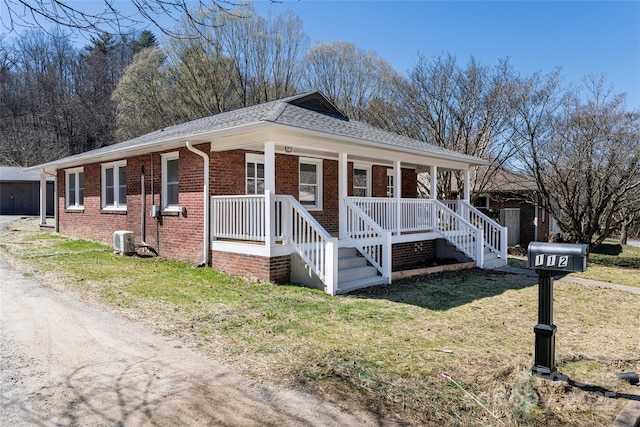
255	173
74	188
481	202
114	185
310	183
170	188
361	181
390	183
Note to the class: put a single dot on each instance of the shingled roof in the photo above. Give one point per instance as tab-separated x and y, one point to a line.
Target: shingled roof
310	111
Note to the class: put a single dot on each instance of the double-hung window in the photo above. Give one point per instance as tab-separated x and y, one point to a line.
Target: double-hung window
114	185
310	183
170	182
74	188
255	173
361	180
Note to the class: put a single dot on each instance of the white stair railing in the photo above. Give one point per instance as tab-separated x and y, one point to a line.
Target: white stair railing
466	237
495	235
309	239
369	238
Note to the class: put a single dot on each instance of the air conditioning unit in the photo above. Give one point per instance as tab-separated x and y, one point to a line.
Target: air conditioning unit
123	242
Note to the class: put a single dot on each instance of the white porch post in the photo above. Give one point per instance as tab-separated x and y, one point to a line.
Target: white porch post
397	190
43	198
433	182
269	192
467	190
342	192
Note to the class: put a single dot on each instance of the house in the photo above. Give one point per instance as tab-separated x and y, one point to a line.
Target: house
515	202
289	190
20	192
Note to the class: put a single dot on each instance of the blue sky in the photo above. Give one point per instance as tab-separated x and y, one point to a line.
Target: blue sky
583	37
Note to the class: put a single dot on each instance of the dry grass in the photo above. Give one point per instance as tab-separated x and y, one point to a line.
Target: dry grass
386	347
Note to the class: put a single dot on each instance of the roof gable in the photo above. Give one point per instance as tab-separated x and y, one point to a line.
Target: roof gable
317	102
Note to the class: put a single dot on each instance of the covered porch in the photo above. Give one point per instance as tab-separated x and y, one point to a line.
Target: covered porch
273	224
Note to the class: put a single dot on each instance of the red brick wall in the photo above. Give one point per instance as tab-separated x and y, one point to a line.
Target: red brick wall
227	173
92	223
379	181
276	269
413	254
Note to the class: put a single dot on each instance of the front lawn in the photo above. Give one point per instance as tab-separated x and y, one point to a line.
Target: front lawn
385	348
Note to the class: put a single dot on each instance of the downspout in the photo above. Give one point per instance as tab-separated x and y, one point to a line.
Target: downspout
205	191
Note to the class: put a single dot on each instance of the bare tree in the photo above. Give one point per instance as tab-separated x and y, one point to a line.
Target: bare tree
467	109
107	16
144	96
352	78
587	164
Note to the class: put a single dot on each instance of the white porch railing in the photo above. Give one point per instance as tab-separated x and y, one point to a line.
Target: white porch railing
414	214
369	238
244	218
495	235
239	217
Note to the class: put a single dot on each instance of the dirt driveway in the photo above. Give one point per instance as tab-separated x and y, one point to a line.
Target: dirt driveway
64	362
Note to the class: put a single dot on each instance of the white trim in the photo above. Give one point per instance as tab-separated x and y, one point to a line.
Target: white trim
116	186
76	172
165	205
366	168
251	248
318	206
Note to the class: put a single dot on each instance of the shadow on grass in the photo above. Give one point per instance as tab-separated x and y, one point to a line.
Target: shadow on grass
608	249
444	291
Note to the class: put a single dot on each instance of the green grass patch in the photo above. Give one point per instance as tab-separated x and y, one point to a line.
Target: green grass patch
385	347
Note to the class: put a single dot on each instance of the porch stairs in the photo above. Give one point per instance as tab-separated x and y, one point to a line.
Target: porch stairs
355	273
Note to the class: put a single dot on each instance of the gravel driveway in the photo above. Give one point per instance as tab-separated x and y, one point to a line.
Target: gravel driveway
64	362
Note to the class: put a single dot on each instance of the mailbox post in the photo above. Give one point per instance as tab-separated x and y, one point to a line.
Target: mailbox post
549	259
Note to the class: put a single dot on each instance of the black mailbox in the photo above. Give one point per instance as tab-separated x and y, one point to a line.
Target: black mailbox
548	259
557	256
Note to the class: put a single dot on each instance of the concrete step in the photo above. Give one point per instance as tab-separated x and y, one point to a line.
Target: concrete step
347	262
350	286
356	273
347	252
494	263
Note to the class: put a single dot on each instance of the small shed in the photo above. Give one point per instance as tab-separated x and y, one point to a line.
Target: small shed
20	192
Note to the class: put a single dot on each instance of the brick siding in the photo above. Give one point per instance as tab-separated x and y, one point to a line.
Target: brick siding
275	269
413	254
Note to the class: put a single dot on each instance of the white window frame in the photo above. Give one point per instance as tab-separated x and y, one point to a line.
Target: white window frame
252	158
116	206
391	185
165	203
76	205
319	175
367	168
